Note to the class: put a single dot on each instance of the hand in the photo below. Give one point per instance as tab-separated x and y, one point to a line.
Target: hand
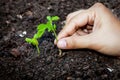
94	28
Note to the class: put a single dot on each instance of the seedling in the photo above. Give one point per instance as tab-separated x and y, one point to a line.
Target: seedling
34	40
50	26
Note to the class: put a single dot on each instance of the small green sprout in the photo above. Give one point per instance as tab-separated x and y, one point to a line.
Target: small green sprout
41	29
52	28
34	42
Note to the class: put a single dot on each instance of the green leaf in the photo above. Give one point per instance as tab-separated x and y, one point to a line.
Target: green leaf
36	36
34	41
28	40
49	18
40	33
54	26
55	18
49	26
41	27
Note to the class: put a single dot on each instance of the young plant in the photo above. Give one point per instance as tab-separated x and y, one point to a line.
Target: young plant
34	42
50	26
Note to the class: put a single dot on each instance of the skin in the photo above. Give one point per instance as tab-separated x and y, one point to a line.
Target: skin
94	28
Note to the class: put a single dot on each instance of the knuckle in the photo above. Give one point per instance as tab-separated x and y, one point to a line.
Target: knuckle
98	4
69	15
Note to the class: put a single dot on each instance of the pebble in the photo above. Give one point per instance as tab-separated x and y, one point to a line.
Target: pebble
24	32
8	22
49	59
29	13
70	78
15	52
50	7
78	78
6	38
19	16
63	22
104	76
12	29
86	67
21	33
71	60
109	69
67	67
62	0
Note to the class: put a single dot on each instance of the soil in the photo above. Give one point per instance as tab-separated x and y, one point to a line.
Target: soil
20	61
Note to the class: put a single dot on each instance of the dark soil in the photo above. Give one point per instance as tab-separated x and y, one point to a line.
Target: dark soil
20	61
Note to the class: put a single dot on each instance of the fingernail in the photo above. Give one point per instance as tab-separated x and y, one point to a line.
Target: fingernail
62	43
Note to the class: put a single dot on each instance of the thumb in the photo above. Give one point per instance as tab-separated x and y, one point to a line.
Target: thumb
75	42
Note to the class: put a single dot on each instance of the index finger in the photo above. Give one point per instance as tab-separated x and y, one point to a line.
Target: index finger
80	20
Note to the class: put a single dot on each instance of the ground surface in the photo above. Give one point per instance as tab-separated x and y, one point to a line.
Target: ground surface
19	60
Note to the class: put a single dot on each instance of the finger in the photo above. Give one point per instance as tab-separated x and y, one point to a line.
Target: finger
71	15
80	33
75	42
77	33
75	23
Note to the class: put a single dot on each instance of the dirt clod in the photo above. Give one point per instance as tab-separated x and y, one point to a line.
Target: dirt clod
15	52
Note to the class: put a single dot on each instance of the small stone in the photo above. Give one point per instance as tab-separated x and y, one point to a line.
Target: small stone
70	78
67	5
12	29
29	4
78	78
50	7
29	13
110	70
19	16
78	73
21	34
8	22
22	48
24	32
49	59
86	67
72	60
62	0
63	22
67	67
15	52
112	10
6	38
104	76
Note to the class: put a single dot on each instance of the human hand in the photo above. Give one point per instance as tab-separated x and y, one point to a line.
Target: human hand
94	28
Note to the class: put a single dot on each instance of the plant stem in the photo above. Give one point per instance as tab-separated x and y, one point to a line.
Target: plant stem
60	51
38	49
55	35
